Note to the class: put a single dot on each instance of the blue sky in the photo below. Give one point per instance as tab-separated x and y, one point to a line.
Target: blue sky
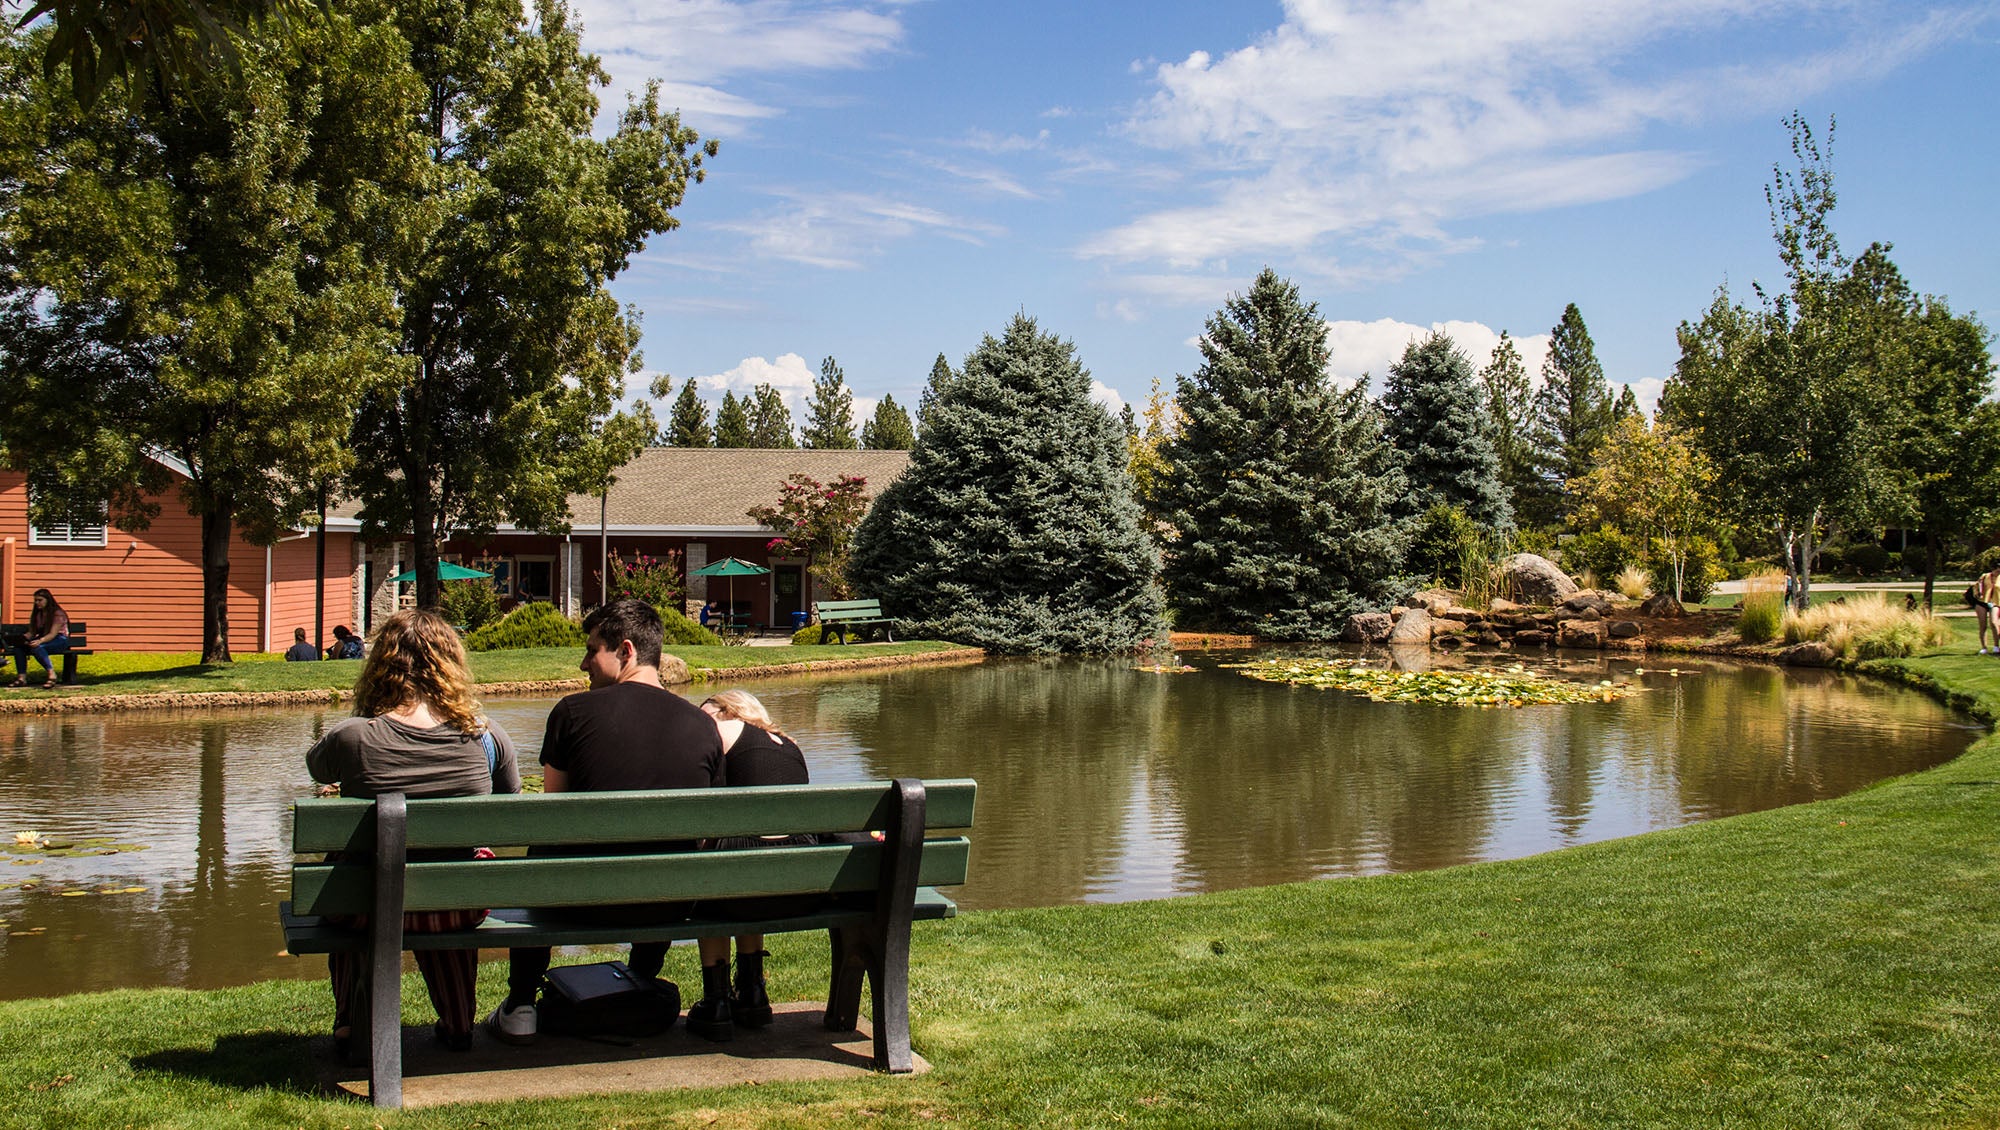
899	178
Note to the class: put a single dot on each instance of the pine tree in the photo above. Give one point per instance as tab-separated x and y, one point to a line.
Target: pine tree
889	428
1627	407
1014	527
688	426
1572	415
939	382
1509	410
732	423
1279	486
1435	416
770	419
830	415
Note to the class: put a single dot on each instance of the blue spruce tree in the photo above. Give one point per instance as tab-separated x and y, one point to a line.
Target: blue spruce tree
1436	417
1014	527
1278	485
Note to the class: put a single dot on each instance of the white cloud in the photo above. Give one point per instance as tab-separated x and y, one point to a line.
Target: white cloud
695	47
1360	132
1371	347
789	374
1106	395
842	230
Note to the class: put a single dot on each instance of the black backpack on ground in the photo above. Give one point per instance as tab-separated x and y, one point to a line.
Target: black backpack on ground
606	1000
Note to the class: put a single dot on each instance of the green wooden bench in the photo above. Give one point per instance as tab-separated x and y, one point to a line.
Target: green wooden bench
877	887
837	616
79	644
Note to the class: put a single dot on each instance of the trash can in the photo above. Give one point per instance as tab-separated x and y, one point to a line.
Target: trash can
799	620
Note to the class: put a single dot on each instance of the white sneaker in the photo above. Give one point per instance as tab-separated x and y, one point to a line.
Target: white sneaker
516	1027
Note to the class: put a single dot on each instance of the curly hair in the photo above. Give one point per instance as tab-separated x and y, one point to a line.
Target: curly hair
416	656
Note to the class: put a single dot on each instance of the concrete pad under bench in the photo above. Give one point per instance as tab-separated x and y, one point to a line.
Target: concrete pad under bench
795	1048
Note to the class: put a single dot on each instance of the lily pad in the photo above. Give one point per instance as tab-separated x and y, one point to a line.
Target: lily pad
1513	687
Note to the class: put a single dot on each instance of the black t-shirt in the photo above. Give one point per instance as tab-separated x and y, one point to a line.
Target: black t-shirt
762	758
632	736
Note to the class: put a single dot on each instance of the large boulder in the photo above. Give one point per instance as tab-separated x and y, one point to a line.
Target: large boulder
674	671
1812	653
1433	601
1587	601
1413	626
1367	627
1662	606
1622	629
1534	580
1580	633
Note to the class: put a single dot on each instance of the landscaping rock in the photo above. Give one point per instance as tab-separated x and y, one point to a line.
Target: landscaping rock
1533	637
1501	604
1580	633
1661	606
1462	615
1588	602
1368	627
1622	629
1433	601
1811	653
1531	579
1414	626
1591	614
1490	637
674	671
1630	643
1452	641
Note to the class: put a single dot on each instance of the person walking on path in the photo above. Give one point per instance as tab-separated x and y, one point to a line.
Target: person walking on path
416	730
626	732
48	633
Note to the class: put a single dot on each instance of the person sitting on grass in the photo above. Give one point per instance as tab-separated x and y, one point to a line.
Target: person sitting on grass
346	645
301	651
48	633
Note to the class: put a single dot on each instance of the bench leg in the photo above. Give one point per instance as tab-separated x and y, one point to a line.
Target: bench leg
385	955
850	964
69	669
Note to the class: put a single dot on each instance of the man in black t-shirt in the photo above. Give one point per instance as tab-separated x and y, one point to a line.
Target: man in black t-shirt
626	732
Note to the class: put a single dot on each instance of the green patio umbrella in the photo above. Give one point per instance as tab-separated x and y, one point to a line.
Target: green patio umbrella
446	572
732	568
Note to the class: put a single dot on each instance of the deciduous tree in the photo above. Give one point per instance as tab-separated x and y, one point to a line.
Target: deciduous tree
513	349
816	521
209	284
1653	483
1014	527
1279	487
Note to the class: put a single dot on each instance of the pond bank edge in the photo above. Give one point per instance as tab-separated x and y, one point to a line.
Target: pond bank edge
217	700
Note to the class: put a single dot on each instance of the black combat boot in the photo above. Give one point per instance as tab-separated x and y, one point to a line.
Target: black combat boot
711	1017
751	1005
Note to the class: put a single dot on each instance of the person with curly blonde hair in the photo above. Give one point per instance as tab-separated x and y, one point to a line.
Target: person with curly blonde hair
417	731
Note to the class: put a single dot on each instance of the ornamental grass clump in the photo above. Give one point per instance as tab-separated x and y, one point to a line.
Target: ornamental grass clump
1866	626
1634	582
1763	614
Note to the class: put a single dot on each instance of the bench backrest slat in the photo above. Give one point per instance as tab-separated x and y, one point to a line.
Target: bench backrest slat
627	817
848	609
344	888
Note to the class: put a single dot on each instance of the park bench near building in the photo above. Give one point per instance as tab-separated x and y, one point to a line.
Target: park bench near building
79	645
837	616
876	887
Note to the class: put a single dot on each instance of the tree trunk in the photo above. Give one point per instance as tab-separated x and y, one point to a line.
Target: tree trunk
1804	600
1930	568
424	549
217	523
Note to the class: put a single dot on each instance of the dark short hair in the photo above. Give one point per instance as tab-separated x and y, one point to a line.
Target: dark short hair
340	632
633	620
298	633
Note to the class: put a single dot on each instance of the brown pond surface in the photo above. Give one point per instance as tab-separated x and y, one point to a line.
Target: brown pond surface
1098	783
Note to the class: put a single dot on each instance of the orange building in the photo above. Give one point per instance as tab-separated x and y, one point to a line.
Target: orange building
143	591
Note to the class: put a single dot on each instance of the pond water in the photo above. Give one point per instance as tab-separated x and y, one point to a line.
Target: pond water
1097	783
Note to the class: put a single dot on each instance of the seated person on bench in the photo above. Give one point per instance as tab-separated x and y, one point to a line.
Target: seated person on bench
48	632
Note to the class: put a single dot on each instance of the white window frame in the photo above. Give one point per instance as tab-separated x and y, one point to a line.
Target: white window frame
95	536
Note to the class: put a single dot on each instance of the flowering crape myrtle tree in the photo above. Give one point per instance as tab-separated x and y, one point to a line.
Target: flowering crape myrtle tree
816	521
1279	487
1014	527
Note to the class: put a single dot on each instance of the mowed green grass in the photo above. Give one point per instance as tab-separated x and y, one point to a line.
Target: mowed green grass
183	672
1827	965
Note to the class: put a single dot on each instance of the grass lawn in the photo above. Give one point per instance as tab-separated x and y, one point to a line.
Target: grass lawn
183	672
1828	965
